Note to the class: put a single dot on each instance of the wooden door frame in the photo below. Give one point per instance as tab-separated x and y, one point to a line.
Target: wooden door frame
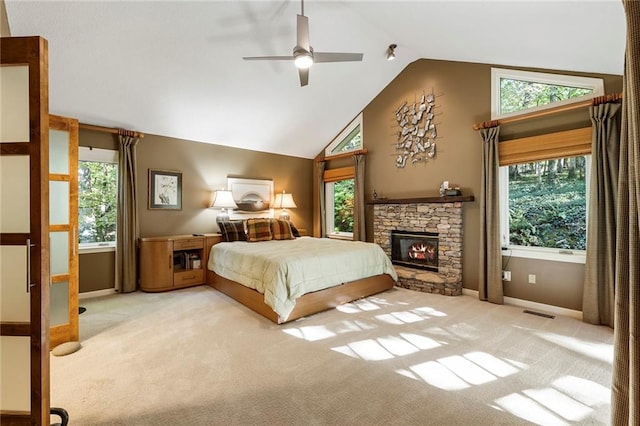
68	332
33	51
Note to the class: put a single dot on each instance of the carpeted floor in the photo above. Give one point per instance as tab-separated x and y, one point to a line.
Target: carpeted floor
196	357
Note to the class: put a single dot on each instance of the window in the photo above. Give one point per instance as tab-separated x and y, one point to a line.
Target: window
544	208
350	139
515	92
339	197
339	185
97	198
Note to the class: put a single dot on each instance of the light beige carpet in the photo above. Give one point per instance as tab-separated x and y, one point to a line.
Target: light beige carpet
197	357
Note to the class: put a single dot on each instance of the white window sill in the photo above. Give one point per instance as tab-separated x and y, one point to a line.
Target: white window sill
346	237
96	248
554	255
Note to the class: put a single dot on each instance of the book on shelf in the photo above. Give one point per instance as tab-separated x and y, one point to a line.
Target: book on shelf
190	261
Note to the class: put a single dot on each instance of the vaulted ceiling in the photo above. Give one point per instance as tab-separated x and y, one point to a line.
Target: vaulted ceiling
175	68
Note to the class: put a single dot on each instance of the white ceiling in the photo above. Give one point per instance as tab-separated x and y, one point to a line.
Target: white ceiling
175	68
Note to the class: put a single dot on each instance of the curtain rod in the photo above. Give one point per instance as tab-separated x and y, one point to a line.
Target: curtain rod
615	97
111	130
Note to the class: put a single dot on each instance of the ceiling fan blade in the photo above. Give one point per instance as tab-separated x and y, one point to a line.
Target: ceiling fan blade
304	76
336	57
303	33
268	58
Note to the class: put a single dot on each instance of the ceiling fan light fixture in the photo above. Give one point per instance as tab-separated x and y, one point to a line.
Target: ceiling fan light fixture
303	60
391	52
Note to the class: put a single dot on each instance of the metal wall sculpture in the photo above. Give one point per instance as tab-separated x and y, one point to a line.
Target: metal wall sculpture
417	135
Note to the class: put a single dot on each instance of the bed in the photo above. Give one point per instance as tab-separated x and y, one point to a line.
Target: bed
284	280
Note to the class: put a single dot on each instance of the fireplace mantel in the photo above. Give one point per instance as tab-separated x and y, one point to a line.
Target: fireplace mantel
450	199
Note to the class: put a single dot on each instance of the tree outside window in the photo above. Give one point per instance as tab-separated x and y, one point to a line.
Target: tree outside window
97	198
547	204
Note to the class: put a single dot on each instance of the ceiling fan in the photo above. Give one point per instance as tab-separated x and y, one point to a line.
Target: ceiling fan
303	55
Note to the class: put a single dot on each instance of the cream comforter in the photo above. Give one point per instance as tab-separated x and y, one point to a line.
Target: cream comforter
284	270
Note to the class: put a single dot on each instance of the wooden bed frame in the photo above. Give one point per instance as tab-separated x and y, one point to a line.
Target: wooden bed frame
307	304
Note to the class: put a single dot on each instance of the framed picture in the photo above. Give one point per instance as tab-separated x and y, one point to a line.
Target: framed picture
252	196
165	190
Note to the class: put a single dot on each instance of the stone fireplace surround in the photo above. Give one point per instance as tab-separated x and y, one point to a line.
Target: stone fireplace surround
442	215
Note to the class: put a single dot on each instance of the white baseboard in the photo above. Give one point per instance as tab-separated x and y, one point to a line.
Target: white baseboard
97	293
541	307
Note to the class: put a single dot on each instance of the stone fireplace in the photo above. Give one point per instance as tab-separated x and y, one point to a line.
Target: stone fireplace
432	231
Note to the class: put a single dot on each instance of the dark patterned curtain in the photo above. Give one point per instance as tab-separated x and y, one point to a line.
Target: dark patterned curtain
127	226
625	383
490	273
599	276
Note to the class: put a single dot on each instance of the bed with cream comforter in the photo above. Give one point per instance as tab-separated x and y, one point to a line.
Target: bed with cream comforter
284	270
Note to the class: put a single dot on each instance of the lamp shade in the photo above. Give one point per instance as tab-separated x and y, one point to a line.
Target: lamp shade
223	199
284	201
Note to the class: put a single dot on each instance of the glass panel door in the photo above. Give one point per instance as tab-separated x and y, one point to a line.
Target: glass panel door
63	236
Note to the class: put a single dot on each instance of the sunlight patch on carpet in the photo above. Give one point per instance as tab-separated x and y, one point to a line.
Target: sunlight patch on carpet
467	370
528	409
397	346
430	311
436	374
310	333
599	351
586	391
492	364
559	403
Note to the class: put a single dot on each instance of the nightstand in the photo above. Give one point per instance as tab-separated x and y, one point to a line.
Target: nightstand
173	262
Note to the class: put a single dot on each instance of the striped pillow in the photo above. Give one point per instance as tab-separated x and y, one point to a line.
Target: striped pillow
258	230
281	230
233	230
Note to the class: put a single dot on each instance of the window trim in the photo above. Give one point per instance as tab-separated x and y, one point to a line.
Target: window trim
329	206
596	84
540	253
97	155
356	122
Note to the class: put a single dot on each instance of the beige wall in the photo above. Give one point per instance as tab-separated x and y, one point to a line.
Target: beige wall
205	168
463	98
5	31
97	271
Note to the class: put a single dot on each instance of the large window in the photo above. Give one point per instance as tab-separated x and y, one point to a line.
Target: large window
544	208
543	179
339	197
516	92
97	198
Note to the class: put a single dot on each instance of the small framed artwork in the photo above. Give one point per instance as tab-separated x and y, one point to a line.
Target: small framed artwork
165	190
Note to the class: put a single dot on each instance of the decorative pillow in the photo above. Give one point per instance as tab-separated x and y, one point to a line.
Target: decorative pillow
294	230
233	230
258	230
281	230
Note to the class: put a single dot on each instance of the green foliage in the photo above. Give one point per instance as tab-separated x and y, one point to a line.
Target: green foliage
516	95
343	205
547	204
97	201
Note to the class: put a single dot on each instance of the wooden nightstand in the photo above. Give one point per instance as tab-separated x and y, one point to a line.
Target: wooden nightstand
171	262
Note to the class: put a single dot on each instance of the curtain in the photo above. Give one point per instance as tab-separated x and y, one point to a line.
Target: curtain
320	165
625	383
490	273
127	234
598	290
359	225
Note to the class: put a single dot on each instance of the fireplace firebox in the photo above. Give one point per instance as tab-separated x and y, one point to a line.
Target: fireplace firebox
415	249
